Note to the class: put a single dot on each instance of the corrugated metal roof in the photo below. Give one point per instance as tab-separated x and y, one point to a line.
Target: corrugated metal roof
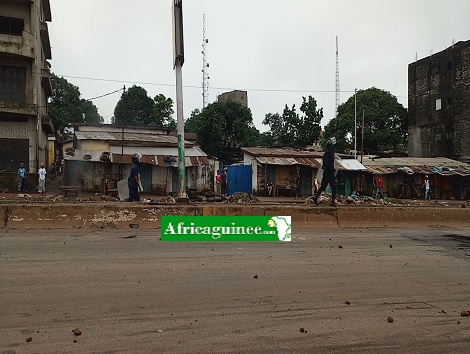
156	150
352	165
286	161
417	165
131	136
279	152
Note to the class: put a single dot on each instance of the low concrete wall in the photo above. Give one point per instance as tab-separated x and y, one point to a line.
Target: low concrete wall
120	215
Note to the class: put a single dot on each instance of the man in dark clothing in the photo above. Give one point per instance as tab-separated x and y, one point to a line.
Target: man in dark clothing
133	180
224	182
328	174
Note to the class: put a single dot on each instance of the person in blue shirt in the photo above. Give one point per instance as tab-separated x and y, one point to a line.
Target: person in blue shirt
21	177
328	167
133	180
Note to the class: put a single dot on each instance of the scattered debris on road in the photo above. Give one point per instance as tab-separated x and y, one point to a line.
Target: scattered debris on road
77	332
75	341
29	339
256	276
465	313
390	320
347	302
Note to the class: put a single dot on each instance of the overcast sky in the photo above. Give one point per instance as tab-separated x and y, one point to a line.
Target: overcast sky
277	50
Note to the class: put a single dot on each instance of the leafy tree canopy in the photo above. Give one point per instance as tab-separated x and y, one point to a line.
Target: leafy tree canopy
222	128
66	106
136	108
292	129
385	122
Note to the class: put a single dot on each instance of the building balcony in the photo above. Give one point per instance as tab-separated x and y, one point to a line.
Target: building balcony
18	45
11	108
46	43
46	82
47	125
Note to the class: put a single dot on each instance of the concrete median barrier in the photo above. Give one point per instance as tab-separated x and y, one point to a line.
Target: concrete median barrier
121	215
402	216
90	215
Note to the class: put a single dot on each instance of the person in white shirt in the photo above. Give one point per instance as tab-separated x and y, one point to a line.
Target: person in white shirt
42	179
427	187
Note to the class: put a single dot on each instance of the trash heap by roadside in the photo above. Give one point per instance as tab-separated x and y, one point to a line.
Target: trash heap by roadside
241	198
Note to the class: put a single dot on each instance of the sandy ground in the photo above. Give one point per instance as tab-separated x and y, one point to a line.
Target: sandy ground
326	291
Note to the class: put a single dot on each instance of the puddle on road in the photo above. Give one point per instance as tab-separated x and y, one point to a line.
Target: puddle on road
463	241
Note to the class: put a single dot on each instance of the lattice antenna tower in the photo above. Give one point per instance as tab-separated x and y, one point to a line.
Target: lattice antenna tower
337	77
205	65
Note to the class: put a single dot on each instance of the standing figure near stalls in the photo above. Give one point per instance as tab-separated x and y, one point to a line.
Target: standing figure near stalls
269	186
224	182
133	182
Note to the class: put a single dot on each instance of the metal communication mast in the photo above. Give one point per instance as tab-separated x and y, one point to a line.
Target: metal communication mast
205	65
337	77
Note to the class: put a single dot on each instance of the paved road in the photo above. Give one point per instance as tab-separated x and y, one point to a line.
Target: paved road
128	292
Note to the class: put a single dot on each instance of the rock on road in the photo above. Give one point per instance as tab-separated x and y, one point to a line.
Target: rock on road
337	291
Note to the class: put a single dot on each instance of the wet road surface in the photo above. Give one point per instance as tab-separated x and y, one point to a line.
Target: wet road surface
327	291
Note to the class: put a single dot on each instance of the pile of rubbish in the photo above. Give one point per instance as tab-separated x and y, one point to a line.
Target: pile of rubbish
353	199
242	198
167	200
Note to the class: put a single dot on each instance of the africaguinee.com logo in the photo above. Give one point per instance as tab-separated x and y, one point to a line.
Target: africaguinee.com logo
226	228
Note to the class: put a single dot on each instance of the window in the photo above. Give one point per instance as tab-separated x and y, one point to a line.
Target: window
438	104
437	137
449	65
11	25
436	69
12	84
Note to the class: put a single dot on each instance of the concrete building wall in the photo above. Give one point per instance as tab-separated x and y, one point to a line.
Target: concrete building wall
22	130
439	104
27	50
94	145
236	96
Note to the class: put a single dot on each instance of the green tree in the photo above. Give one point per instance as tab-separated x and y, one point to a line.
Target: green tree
385	122
190	124
163	112
91	112
66	107
134	108
292	129
222	128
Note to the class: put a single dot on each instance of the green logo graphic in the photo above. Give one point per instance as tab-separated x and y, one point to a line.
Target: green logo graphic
226	228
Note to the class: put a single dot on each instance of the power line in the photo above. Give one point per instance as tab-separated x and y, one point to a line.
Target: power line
106	94
217	88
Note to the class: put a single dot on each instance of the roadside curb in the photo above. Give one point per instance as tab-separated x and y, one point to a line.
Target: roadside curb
69	216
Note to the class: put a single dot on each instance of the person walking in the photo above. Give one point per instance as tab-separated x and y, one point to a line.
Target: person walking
328	167
269	186
21	178
42	179
133	181
427	188
379	183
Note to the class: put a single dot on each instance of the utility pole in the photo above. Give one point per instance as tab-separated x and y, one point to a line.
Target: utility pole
205	65
178	60
355	124
362	135
337	77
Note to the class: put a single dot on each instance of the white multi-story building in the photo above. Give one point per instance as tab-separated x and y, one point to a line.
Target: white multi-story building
25	83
